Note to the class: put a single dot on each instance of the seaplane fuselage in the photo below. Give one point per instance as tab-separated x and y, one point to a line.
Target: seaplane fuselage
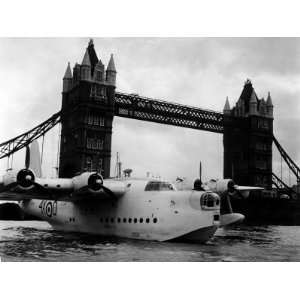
142	212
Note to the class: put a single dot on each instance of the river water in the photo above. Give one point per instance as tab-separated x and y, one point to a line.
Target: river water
37	241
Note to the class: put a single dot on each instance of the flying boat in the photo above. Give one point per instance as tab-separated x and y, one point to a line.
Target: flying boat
137	208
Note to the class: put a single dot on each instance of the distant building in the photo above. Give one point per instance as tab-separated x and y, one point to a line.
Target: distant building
86	133
248	139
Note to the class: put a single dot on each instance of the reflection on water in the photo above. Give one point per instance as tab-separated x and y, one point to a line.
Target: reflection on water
36	241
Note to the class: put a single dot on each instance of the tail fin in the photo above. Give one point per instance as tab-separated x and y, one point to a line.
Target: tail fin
35	159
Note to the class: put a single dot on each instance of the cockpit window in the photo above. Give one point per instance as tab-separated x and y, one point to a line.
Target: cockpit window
159	186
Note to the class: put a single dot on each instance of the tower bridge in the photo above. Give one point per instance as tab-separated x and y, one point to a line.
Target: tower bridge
90	103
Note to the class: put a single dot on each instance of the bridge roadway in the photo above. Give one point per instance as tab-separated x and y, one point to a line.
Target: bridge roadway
134	106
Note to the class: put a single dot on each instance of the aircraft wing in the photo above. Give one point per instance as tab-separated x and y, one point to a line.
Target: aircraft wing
15	187
248	188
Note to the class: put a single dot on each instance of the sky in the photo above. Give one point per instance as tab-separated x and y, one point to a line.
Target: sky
200	72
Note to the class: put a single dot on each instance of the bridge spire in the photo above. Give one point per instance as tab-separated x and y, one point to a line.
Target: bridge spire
111	72
68	73
111	64
67	79
85	70
86	59
269	106
226	109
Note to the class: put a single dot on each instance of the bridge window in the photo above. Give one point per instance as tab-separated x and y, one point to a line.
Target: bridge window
141	220
124	220
95	120
99	75
159	186
100	91
100	166
94	143
262	123
89	163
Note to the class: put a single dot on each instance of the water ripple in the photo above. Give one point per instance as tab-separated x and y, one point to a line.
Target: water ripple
36	241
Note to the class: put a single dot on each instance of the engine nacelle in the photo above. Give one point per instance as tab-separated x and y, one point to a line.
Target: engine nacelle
23	178
93	181
220	186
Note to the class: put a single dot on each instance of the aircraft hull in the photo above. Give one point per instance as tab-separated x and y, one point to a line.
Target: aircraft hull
158	218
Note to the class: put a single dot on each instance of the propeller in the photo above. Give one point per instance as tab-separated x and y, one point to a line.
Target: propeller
198	182
25	178
200	172
95	184
228	194
27	157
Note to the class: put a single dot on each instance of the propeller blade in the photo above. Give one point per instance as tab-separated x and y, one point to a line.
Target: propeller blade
229	203
27	157
109	192
200	172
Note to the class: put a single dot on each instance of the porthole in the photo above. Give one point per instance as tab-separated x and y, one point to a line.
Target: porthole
141	220
135	220
112	220
129	220
101	220
124	220
106	220
119	220
155	220
58	185
147	220
45	185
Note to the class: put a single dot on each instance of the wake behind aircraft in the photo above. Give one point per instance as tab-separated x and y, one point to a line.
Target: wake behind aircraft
148	209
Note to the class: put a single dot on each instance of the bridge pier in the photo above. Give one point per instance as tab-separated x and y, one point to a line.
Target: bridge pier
247	139
86	132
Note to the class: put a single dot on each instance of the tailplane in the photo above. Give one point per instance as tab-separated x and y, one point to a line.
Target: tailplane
35	159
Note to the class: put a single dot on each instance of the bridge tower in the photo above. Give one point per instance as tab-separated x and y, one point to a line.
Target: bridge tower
86	134
248	139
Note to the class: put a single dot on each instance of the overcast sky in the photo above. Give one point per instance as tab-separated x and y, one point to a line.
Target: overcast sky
194	71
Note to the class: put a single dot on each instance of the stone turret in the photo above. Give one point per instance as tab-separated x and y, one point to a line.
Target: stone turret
261	106
76	74
67	79
269	106
111	72
227	109
85	70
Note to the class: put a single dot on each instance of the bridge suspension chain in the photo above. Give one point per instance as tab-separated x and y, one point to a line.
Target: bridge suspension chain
280	184
291	164
15	144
